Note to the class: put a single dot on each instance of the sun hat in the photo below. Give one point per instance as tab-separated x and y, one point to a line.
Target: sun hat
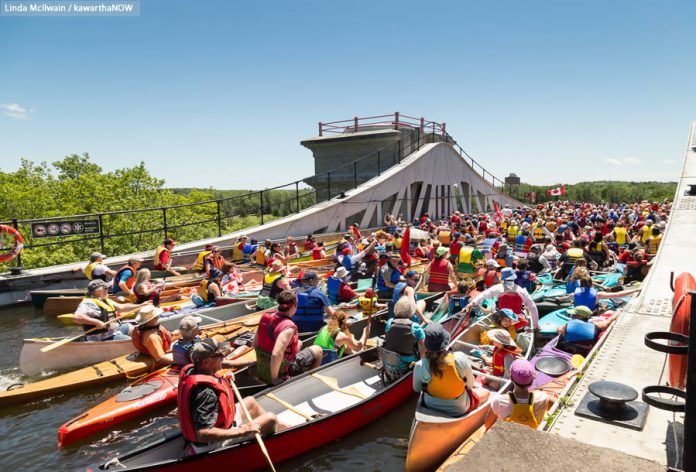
522	372
147	314
436	337
502	336
341	272
189	323
208	347
441	251
508	313
96	284
507	274
580	311
96	255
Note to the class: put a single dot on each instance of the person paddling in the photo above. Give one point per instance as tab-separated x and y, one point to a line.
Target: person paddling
151	338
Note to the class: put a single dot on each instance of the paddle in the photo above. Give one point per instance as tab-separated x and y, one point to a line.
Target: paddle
257	435
60	343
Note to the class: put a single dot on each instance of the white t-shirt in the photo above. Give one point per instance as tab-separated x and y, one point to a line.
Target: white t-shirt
502	406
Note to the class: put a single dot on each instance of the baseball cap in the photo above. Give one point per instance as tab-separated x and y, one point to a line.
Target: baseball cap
169	241
369	293
346	251
436	338
492	263
214	273
310	275
208	347
133	260
581	311
189	323
96	255
95	285
522	372
441	251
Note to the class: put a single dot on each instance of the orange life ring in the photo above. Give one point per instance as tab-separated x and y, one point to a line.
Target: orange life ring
16	247
681	307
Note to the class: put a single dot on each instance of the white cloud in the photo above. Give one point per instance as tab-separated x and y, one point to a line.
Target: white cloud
622	162
14	110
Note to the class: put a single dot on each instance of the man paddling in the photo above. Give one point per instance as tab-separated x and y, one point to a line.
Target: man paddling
96	310
207	407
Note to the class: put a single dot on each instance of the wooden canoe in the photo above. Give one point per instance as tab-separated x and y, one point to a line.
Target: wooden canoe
33	362
131	365
434	435
39	297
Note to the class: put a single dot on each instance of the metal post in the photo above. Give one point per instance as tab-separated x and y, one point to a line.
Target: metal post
379	170
355	123
164	220
321	129
219	219
449	200
15	225
261	198
689	452
328	185
297	196
399	152
418	137
437	201
355	174
396	120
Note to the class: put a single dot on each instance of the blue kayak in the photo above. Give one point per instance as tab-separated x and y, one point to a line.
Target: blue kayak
549	324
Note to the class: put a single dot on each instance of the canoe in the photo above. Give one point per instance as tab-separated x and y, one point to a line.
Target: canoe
80	353
39	297
434	435
129	366
160	389
56	306
320	406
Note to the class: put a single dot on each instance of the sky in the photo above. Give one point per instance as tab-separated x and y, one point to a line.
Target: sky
220	93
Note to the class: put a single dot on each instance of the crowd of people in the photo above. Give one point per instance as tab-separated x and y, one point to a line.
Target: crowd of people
470	258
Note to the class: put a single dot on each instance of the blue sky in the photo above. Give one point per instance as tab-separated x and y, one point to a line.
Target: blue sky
220	93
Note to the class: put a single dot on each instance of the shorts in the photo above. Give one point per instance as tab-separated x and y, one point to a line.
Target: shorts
304	361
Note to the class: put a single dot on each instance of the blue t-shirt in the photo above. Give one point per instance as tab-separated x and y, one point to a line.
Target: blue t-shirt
122	277
318	297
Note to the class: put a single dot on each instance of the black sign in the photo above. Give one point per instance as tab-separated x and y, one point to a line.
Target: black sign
64	228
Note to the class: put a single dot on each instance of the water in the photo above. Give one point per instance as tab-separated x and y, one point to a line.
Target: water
29	433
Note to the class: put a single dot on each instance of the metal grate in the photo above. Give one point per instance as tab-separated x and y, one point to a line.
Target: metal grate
687	203
652	306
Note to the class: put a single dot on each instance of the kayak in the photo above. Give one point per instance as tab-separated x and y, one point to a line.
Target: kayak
39	297
80	353
435	435
132	365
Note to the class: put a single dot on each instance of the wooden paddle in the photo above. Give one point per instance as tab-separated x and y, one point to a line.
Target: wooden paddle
249	419
332	383
60	343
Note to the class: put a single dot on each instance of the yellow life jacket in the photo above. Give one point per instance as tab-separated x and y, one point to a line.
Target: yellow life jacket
654	244
261	255
89	269
620	235
158	252
444	237
201	259
574	253
551	226
203	289
512	233
503	226
107	305
465	254
523	413
397	243
647	232
450	385
538	233
367	305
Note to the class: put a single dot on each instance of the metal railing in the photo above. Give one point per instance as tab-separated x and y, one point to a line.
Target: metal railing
216	215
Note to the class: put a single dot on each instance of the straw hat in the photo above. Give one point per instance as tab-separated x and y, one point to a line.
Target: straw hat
147	314
502	336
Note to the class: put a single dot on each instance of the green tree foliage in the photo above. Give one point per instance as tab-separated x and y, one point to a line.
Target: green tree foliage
604	191
78	186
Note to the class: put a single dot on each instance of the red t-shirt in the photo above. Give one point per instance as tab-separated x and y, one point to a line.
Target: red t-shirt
346	294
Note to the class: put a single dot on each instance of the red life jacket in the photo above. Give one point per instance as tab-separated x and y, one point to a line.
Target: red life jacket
270	327
439	271
187	382
489	280
511	300
499	360
316	253
137	338
129	281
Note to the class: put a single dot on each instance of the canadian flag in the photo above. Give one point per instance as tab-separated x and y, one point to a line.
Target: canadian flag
556	192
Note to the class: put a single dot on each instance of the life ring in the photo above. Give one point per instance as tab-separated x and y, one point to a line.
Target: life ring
16	247
681	312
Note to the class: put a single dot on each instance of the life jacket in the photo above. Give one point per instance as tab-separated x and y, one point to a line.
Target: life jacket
270	285
238	252
129	281
585	296
215	262
381	285
422	252
574	253
579	331
203	289
326	341
487	245
200	260
261	256
316	253
226	408
465	255
595	248
502	259
454	248
270	326
333	289
247	251
89	272
439	271
158	255
444	237
538	234
512	300
400	338
347	263
367	305
654	244
499	360
181	350
490	277
520	243
458	302
137	338
450	385
646	232
310	314
292	249
107	310
620	235
512	233
523	413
